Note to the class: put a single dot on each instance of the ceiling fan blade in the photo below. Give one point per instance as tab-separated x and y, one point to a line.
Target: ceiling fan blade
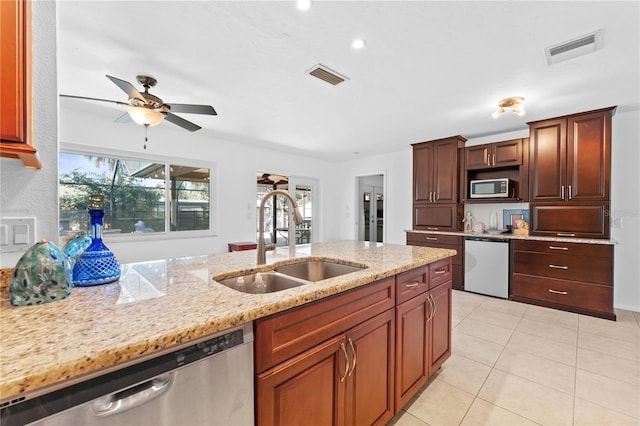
193	109
94	99
179	121
128	88
124	118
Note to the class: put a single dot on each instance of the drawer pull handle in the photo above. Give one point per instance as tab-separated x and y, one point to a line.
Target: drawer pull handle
440	271
558	292
558	248
413	284
353	366
432	228
431	238
565	234
558	267
346	362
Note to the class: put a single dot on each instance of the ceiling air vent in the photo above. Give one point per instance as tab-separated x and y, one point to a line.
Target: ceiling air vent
326	74
575	47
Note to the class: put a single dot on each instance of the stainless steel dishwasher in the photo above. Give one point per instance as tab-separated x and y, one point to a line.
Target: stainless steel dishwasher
207	383
486	265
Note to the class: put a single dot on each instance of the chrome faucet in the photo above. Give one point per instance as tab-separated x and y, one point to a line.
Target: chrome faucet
262	247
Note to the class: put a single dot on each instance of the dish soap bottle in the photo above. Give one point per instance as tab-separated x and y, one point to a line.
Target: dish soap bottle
97	265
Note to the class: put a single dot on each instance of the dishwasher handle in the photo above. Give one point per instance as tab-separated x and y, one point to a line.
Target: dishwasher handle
123	400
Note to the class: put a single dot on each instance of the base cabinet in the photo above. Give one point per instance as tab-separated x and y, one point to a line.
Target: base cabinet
453	242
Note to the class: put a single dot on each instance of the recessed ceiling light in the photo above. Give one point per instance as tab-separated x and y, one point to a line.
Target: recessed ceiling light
358	43
304	4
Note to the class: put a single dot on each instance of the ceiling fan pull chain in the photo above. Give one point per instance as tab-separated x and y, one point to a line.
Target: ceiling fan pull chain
146	139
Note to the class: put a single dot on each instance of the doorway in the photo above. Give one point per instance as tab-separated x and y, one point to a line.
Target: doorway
370	221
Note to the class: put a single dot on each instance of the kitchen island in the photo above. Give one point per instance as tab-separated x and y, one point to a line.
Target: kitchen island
160	305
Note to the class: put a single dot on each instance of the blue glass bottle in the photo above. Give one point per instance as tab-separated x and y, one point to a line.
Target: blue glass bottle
97	265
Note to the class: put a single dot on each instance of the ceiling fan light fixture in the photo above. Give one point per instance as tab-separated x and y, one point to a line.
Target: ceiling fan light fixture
497	113
145	116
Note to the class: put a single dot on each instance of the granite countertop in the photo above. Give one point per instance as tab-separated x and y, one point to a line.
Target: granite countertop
160	304
508	236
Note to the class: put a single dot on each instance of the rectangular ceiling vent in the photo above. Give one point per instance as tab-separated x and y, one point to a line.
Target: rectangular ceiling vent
326	74
575	47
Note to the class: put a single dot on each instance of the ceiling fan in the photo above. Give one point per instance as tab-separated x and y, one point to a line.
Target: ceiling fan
149	110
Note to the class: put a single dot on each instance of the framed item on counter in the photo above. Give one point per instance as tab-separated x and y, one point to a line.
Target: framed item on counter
509	217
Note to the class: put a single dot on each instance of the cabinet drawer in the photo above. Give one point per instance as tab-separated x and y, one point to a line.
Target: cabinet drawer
551	247
419	237
440	272
575	268
586	220
571	294
283	335
411	283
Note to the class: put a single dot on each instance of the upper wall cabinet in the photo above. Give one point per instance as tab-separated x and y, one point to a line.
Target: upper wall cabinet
571	158
15	85
498	154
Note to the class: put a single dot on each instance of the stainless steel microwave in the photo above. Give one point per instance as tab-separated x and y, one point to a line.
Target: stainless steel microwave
491	188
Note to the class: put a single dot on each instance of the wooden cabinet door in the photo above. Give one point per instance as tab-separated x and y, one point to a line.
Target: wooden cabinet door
305	390
477	157
13	84
412	340
435	217
440	326
589	156
577	219
547	167
445	171
423	172
507	153
370	381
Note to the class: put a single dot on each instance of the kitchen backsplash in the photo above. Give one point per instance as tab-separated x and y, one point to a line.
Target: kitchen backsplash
481	212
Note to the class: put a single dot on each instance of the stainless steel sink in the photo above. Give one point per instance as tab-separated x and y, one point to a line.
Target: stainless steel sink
317	270
261	282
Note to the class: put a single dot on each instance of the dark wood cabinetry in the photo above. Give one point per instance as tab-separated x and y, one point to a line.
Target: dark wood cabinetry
15	86
454	242
569	276
436	184
498	154
423	324
570	169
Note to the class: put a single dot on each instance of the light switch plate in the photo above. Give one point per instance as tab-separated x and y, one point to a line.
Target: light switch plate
17	234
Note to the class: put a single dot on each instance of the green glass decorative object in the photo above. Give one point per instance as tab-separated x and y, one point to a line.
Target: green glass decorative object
42	275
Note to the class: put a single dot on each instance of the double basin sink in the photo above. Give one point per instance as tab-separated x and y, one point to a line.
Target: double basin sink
288	276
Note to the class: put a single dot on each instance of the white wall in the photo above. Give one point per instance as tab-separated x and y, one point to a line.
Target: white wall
34	193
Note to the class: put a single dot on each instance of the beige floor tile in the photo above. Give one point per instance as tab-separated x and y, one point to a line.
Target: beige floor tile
589	414
528	399
498	318
485	413
441	404
611	366
612	329
637	315
549	331
552	316
485	331
607	345
464	373
540	370
504	306
474	348
610	393
406	419
549	349
627	318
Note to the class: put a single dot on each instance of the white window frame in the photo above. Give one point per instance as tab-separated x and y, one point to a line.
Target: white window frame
166	234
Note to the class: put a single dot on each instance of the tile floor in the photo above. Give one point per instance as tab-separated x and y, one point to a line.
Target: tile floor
518	364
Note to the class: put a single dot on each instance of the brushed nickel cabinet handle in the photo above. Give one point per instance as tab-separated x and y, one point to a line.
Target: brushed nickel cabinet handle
346	363
494	160
431	238
432	228
412	285
435	308
570	192
558	248
562	192
353	350
565	234
558	267
440	271
558	292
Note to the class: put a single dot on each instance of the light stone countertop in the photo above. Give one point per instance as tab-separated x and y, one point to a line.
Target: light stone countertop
160	304
508	236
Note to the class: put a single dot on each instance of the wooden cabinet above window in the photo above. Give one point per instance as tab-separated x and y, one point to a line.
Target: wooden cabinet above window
15	85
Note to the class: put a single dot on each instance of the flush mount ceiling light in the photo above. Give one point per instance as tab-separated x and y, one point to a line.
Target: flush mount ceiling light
303	4
358	43
516	104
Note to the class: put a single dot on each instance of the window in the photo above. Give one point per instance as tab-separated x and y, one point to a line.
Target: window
142	197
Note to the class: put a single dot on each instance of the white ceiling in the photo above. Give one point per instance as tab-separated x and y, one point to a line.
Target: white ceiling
429	69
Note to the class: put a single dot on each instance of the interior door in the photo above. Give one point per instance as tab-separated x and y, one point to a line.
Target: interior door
371	208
